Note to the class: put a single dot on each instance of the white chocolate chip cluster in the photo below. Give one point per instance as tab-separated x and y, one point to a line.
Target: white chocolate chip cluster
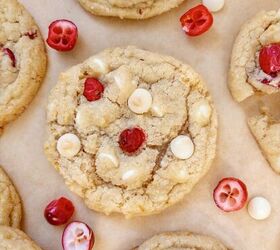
136	173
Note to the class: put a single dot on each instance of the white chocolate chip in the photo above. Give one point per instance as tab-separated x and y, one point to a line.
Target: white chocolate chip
214	5
129	174
157	111
182	147
202	112
259	208
111	156
125	83
140	101
68	145
99	66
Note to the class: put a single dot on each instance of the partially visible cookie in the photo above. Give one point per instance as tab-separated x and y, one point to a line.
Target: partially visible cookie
267	133
246	77
133	9
181	241
131	131
14	239
10	204
22	60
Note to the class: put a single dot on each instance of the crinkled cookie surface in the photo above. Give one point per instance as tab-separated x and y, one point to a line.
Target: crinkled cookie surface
246	77
181	241
10	204
14	239
83	136
22	60
133	9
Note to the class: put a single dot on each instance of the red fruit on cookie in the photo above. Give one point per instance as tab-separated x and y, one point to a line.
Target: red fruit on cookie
197	20
93	89
77	236
230	194
269	58
11	55
59	211
63	35
131	140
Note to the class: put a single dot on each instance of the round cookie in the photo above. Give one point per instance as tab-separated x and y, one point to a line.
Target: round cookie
22	60
14	239
10	204
133	9
182	241
246	76
131	131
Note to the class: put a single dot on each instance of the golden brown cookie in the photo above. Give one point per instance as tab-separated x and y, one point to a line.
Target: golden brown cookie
22	60
14	239
181	241
131	131
10	204
133	9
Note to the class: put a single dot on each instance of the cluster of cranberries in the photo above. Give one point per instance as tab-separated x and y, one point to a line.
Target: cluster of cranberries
76	235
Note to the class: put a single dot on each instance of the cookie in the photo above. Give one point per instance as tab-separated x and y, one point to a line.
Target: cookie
14	239
182	241
267	133
10	204
131	131
135	9
246	77
22	60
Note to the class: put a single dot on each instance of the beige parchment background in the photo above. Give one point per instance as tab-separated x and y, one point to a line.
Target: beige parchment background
21	150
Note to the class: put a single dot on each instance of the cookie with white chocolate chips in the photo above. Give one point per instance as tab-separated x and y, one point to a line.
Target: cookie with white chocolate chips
182	241
133	9
22	60
131	131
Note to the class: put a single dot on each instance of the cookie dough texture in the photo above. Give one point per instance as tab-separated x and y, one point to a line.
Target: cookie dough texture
14	239
133	9
10	204
267	133
245	75
153	179
20	82
181	241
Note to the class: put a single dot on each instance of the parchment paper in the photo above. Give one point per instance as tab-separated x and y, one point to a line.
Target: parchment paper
21	145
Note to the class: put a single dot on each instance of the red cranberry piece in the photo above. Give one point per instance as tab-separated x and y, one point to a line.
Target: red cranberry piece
32	34
63	35
131	139
269	58
58	212
93	89
10	54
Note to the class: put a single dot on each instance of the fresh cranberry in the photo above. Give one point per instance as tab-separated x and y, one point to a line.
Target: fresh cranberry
269	58
58	212
131	139
93	89
230	194
63	35
77	236
197	20
11	55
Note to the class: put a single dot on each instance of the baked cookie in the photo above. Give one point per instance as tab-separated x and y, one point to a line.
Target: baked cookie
255	69
131	131
10	204
181	241
267	133
251	71
14	239
133	9
22	60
